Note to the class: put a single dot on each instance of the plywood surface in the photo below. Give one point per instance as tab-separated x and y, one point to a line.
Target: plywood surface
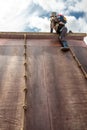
57	89
11	85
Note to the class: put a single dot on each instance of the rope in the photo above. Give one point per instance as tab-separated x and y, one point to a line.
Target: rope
25	82
78	62
25	77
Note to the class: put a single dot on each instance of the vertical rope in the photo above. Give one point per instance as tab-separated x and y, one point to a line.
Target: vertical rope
25	75
25	82
79	64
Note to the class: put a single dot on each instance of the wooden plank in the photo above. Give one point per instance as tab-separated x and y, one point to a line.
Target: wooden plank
37	113
11	85
43	42
81	54
67	91
40	35
57	91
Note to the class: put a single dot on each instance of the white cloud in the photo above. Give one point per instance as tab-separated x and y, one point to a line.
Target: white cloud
81	6
41	23
76	5
85	40
16	15
50	5
12	14
75	25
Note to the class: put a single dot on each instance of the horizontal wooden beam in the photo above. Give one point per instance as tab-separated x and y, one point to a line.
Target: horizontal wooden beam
40	35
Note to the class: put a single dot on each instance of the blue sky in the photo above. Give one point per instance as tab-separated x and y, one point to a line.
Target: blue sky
33	15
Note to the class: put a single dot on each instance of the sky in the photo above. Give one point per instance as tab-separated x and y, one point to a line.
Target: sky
34	15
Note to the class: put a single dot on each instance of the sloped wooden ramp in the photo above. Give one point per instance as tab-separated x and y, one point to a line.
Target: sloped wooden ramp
41	87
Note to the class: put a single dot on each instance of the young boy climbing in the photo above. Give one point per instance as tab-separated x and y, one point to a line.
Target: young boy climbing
58	23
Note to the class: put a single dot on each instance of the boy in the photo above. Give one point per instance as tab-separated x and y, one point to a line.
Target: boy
58	23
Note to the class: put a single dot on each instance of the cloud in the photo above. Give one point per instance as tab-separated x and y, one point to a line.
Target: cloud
41	23
12	14
81	6
76	25
33	15
85	40
50	5
76	6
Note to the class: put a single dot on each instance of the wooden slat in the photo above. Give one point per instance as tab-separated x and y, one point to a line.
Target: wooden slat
40	35
37	114
81	53
11	85
57	90
56	87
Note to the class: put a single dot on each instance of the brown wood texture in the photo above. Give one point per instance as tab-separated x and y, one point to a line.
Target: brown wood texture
11	84
57	89
80	50
40	35
81	53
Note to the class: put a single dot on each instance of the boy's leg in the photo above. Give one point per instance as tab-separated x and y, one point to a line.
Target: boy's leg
51	27
63	37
